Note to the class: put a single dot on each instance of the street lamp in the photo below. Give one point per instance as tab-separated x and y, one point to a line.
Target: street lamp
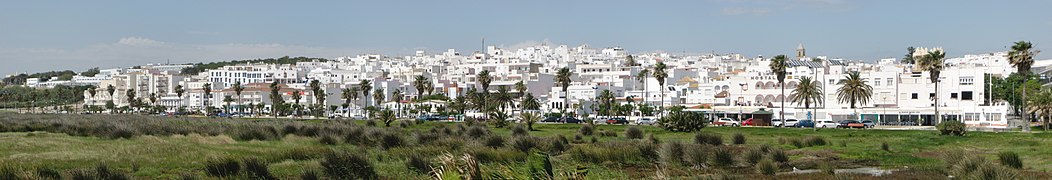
741	97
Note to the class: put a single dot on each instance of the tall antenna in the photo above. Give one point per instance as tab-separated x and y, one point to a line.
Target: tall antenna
483	50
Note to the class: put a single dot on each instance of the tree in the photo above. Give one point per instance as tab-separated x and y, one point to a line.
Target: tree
661	75
179	91
530	103
296	96
631	61
521	88
90	72
319	95
1040	105
110	90
606	100
778	67
807	93
1022	57
396	96
933	63
92	92
378	96
387	116
678	120
207	88
484	80
854	90
130	94
562	77
346	94
908	58
237	91
642	76
420	83
365	86
276	100
227	99
503	98
529	118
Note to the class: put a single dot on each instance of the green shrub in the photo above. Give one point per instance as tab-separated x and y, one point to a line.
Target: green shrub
648	151
391	140
634	133
403	124
779	156
586	130
1010	159
797	142
678	120
696	156
477	132
766	167
222	168
7	172
328	140
764	148
555	145
671	153
524	144
503	155
753	156
309	175
356	136
884	146
47	172
494	141
425	138
256	169
370	123
540	167
518	130
418	164
578	138
608	133
345	165
652	139
595	140
722	157
708	138
739	138
814	141
103	171
951	127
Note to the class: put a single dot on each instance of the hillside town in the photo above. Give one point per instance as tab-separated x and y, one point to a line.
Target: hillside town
726	85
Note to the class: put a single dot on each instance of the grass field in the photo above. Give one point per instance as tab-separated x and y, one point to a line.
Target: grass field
33	142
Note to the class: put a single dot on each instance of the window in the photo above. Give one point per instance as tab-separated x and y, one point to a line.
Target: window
966	95
967	80
914	95
931	95
971	117
876	82
953	95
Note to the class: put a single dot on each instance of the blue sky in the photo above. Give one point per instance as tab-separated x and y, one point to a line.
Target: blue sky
76	35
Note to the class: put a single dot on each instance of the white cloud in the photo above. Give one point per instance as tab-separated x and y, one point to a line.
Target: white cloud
745	11
130	51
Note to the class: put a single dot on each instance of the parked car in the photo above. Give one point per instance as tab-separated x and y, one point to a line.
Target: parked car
776	122
616	120
646	121
806	123
748	122
826	124
552	119
790	123
727	122
599	120
868	123
573	120
851	124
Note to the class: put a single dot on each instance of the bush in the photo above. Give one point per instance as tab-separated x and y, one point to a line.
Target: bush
104	172
766	167
391	140
797	142
608	133
403	124
524	144
222	168
738	138
328	140
1010	159
671	153
595	140
477	132
778	155
494	141
370	123
586	130
428	137
256	169
951	127
577	138
309	175
8	173
519	131
814	141
556	146
722	157
48	173
634	133
418	164
696	157
753	156
346	165
708	138
356	136
678	120
652	139
648	151
884	146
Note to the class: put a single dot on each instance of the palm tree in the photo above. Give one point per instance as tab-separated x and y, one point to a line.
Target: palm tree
932	62
530	103
131	96
1041	105
484	80
630	61
92	92
319	95
207	88
660	75
110	89
778	67
275	98
606	99
179	90
521	88
420	83
808	92
378	96
854	90
503	98
296	96
365	86
347	93
563	79
1022	57
237	91
642	76
529	119
396	96
227	99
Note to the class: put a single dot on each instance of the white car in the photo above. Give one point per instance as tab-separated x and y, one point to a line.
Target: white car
826	124
727	122
646	121
790	123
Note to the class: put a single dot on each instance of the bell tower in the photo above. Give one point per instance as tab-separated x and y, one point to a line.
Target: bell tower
800	52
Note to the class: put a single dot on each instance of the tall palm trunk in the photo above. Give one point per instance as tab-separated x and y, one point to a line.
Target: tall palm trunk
938	118
1026	125
781	115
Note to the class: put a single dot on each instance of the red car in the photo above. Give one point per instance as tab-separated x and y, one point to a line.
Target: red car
748	122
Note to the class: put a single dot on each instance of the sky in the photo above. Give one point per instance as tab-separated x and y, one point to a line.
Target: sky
38	36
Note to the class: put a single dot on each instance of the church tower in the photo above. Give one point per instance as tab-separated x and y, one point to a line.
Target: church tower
800	52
